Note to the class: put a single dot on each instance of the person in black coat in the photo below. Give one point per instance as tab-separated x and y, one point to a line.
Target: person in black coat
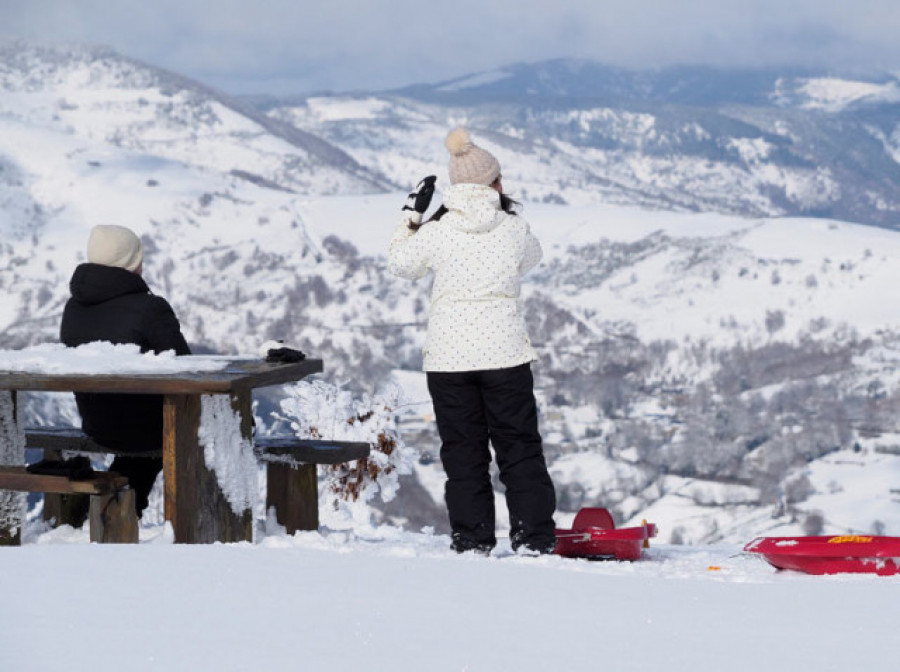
111	302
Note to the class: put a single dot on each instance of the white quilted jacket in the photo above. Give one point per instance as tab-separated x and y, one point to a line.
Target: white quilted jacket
478	254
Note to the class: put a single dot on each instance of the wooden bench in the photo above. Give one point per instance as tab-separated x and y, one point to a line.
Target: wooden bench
292	487
291	483
112	515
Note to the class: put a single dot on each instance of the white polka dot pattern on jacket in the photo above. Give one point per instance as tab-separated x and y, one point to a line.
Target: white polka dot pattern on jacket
478	254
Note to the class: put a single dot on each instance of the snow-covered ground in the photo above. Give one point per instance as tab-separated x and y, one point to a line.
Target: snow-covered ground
393	601
354	595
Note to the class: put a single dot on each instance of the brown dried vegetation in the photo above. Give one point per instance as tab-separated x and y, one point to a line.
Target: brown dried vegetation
349	479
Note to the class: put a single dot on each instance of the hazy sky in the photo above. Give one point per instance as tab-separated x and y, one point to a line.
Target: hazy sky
286	46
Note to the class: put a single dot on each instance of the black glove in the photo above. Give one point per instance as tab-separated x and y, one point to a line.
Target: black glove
419	200
279	351
285	356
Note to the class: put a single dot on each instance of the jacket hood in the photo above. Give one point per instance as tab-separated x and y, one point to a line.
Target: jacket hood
94	283
473	208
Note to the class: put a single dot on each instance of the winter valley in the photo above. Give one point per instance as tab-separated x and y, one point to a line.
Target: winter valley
718	348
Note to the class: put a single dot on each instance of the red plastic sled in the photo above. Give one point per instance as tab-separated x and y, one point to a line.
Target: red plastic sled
831	555
594	535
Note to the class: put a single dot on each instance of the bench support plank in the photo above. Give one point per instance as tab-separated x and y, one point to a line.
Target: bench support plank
72	439
113	518
294	450
294	492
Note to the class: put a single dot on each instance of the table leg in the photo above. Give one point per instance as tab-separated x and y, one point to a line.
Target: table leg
12	451
195	505
293	491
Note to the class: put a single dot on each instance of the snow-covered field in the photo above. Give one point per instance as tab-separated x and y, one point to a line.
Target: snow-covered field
393	601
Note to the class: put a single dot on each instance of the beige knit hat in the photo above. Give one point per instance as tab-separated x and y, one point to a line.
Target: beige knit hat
469	163
111	245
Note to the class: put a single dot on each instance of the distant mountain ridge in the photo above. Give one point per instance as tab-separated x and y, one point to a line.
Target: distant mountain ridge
567	81
748	142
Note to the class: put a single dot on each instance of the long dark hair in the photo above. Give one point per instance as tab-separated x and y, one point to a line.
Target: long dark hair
507	204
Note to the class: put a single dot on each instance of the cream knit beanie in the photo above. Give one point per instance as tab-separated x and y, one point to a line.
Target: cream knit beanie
111	245
470	163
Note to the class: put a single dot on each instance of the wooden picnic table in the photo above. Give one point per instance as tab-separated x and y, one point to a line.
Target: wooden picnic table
195	503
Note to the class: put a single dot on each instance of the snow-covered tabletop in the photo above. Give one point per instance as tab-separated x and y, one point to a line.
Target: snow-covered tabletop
104	367
103	358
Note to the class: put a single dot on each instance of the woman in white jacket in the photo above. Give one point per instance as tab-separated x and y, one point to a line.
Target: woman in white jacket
477	353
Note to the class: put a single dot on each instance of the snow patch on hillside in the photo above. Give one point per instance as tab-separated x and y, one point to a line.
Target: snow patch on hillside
834	95
324	110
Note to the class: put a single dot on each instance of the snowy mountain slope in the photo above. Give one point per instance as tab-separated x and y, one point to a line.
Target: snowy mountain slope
97	94
549	162
757	143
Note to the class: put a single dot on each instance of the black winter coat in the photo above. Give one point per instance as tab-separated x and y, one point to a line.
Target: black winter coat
115	305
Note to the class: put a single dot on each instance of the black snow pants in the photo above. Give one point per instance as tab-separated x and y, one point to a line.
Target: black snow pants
141	473
473	409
